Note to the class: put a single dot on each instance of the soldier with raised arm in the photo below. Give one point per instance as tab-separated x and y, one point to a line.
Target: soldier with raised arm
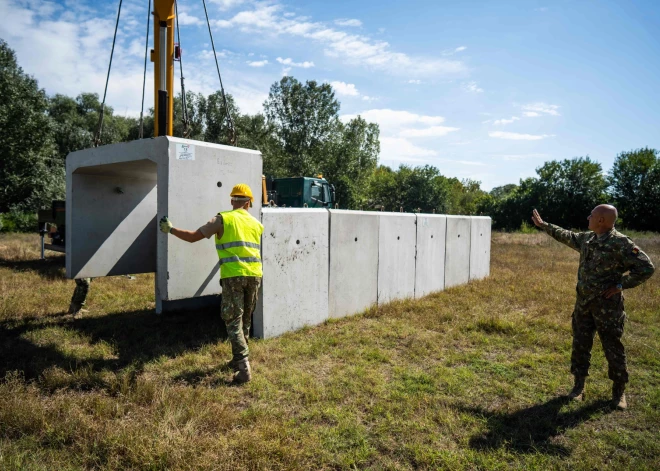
609	263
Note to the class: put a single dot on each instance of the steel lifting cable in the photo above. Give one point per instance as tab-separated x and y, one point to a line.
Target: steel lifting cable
97	138
233	138
144	76
186	122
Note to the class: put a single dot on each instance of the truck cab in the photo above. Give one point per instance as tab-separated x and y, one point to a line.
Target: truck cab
296	192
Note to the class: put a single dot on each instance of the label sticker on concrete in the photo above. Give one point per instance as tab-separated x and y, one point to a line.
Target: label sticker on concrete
185	152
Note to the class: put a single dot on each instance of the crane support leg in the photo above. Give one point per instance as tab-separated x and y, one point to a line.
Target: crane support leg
163	59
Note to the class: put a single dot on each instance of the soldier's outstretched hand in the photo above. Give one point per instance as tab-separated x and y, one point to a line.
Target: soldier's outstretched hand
536	218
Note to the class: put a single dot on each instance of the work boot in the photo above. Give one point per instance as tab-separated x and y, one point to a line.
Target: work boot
577	393
233	364
618	396
244	373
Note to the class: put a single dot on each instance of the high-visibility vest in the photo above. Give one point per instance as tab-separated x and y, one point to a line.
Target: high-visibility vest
239	248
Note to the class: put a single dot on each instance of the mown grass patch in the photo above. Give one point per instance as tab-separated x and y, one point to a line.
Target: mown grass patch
469	378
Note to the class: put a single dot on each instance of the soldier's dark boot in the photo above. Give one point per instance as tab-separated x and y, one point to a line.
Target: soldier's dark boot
244	373
619	396
75	309
577	393
233	364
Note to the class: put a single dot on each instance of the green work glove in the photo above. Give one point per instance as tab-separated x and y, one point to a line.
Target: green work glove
165	225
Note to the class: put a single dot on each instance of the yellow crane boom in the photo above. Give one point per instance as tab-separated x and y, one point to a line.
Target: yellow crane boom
162	55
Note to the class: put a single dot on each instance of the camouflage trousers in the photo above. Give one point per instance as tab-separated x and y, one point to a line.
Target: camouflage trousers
239	298
80	293
607	317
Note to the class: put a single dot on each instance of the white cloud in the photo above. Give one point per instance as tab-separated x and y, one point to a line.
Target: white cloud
348	22
433	131
515	157
289	62
227	4
268	19
460	49
451	52
518	136
543	108
397	128
472	87
402	150
415	81
188	20
257	63
345	89
471	163
531	114
504	122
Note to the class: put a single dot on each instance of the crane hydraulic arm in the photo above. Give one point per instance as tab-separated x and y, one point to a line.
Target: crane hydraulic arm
162	55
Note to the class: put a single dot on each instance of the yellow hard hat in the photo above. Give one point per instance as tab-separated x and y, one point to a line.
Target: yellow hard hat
242	190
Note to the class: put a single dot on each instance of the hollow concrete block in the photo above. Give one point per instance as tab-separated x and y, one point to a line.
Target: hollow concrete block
396	256
430	265
117	193
353	262
295	257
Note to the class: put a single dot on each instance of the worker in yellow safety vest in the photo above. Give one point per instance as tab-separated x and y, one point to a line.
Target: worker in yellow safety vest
238	242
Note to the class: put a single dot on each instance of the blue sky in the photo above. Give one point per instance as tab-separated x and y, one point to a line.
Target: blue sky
481	89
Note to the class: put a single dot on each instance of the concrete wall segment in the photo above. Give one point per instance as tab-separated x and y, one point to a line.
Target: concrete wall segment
353	281
295	256
457	250
480	235
397	239
430	262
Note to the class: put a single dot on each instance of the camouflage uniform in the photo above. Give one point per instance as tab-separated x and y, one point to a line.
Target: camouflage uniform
603	261
239	298
80	294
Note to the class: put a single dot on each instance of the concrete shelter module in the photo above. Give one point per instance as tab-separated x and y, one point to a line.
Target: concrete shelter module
117	193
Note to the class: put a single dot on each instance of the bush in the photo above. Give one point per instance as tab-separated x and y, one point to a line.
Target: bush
17	221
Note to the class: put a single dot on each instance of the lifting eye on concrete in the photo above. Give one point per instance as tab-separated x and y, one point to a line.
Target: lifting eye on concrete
219	184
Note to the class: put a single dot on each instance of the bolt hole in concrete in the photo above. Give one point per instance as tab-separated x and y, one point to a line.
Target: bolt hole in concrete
219	184
431	236
459	235
356	239
298	242
397	237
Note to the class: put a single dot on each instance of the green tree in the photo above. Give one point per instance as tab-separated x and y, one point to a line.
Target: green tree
30	173
635	187
306	119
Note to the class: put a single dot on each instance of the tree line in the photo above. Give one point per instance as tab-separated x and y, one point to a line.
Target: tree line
300	133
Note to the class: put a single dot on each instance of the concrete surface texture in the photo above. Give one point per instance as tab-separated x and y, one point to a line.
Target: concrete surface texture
480	247
190	193
457	250
353	262
397	242
295	257
430	266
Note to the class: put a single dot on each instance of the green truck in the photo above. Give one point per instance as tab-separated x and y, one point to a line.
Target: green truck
300	192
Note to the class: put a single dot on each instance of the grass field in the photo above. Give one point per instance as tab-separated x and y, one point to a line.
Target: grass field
469	378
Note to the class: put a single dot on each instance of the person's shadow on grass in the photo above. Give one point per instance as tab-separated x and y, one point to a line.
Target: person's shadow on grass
532	429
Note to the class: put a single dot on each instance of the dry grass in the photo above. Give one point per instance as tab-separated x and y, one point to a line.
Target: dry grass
464	379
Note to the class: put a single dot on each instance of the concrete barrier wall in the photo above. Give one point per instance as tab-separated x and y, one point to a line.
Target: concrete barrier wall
430	266
457	250
295	256
480	247
353	262
396	256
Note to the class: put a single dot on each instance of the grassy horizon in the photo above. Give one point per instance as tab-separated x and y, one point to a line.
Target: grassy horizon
468	378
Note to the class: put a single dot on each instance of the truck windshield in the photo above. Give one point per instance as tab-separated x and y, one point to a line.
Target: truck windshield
316	192
326	193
